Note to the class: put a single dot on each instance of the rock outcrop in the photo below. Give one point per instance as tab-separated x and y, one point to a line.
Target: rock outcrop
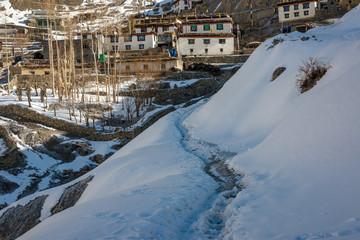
71	195
7	186
20	219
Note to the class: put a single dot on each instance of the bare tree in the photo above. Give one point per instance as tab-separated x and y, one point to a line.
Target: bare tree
18	91
96	68
55	107
28	93
21	40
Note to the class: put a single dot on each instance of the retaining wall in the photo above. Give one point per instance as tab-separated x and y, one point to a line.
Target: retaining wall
19	113
216	59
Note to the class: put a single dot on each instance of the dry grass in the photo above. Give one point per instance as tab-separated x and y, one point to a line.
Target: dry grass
310	73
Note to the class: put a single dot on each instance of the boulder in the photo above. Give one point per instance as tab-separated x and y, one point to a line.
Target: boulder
278	72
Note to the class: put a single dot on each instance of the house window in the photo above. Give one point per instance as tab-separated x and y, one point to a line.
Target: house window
114	48
296	7
163	67
296	14
146	67
143	29
141	38
306	13
221	50
40	22
186	2
32	72
222	41
219	26
286	9
206	27
193	28
286	15
47	73
141	46
206	50
128	39
84	37
127	68
191	50
128	47
165	29
206	41
113	39
191	41
306	5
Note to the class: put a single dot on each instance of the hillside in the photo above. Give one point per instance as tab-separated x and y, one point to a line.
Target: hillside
293	157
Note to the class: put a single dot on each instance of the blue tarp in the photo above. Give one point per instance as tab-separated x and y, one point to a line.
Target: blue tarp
172	52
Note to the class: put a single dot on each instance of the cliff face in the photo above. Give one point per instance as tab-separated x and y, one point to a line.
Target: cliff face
41	4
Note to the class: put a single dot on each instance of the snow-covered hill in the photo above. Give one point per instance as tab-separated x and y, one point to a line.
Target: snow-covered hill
299	154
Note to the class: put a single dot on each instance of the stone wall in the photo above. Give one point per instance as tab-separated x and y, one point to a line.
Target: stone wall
216	59
25	114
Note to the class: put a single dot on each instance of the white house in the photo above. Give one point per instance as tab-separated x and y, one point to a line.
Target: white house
208	25
207	36
290	10
206	44
131	42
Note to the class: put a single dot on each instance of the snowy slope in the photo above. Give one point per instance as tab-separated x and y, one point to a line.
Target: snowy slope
299	153
151	188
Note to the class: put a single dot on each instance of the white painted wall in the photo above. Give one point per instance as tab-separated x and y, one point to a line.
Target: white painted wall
180	5
150	42
199	47
227	28
301	10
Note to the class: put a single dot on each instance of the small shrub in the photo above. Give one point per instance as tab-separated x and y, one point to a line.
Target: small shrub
310	73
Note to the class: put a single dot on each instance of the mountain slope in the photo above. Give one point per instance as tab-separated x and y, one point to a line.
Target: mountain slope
298	153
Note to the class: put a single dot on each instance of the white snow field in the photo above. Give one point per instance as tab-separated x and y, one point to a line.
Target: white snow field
299	154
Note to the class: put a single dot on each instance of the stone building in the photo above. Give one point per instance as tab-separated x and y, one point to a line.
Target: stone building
154	60
87	48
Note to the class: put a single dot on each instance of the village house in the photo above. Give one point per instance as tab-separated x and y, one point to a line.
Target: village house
130	42
207	36
290	10
42	18
180	5
87	46
154	60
